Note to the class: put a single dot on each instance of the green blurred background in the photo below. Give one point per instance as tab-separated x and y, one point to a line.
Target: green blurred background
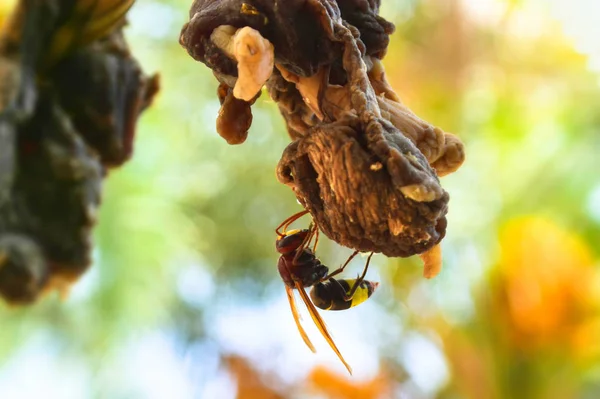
184	299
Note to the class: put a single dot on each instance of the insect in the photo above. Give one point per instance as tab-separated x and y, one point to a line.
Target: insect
336	294
300	268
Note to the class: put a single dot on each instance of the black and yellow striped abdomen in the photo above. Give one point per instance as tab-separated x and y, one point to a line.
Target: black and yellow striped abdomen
332	294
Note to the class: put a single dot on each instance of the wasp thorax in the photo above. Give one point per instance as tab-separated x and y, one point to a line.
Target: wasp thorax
311	272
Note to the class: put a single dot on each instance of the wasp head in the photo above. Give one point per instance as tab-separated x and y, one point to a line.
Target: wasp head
290	241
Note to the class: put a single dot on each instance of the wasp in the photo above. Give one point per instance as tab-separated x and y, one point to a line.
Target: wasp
300	268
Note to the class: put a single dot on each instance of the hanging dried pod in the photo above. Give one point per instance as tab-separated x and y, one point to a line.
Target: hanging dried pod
367	186
363	164
70	97
56	193
235	116
103	90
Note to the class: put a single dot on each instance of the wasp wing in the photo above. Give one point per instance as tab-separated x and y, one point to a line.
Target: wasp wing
320	323
290	295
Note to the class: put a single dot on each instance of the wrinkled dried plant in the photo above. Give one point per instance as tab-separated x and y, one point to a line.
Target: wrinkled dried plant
363	164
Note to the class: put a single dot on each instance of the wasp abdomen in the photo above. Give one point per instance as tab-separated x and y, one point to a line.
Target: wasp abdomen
332	294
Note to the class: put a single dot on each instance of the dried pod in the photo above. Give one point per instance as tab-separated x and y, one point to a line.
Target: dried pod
235	116
453	156
70	92
366	189
254	56
295	30
374	30
298	37
365	183
428	138
23	270
56	191
103	90
297	115
444	151
362	163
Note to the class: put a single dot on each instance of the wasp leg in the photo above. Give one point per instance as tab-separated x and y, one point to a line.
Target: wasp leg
341	268
316	239
358	281
306	242
286	223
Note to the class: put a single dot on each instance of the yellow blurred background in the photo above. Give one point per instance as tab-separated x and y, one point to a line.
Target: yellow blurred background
184	299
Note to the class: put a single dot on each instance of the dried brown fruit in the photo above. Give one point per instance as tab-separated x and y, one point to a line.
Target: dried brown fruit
56	192
374	30
253	54
235	116
104	91
70	97
297	35
296	114
361	162
367	186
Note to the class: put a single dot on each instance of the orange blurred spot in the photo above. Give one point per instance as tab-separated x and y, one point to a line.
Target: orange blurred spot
585	342
545	276
250	383
336	386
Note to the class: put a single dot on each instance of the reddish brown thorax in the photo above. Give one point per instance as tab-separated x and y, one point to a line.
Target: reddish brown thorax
305	267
